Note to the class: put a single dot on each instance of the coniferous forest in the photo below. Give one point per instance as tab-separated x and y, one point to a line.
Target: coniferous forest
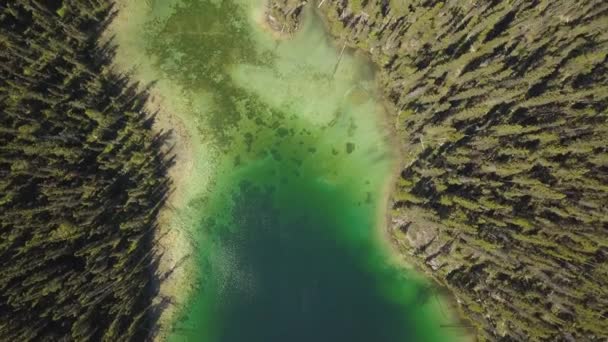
82	179
501	111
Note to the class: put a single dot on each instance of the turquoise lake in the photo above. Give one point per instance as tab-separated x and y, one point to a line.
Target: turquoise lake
289	190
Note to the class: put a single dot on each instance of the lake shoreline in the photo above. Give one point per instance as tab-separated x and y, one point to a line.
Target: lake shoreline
384	228
171	242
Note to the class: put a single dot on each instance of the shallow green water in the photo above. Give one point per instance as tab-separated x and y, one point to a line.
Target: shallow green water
288	184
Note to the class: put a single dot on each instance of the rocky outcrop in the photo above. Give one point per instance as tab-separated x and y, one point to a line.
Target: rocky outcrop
283	16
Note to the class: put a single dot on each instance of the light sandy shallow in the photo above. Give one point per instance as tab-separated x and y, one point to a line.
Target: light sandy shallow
173	244
173	241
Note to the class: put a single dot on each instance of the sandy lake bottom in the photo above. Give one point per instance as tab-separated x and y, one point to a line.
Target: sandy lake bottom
290	159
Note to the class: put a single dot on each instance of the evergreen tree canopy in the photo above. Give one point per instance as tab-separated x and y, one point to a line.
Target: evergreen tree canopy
82	179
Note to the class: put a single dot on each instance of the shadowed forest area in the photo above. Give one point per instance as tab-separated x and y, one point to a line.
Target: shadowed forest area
82	179
501	112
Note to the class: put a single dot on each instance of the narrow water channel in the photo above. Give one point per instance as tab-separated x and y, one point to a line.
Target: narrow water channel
289	185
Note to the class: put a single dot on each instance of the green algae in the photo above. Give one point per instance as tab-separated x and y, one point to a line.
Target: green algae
292	160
